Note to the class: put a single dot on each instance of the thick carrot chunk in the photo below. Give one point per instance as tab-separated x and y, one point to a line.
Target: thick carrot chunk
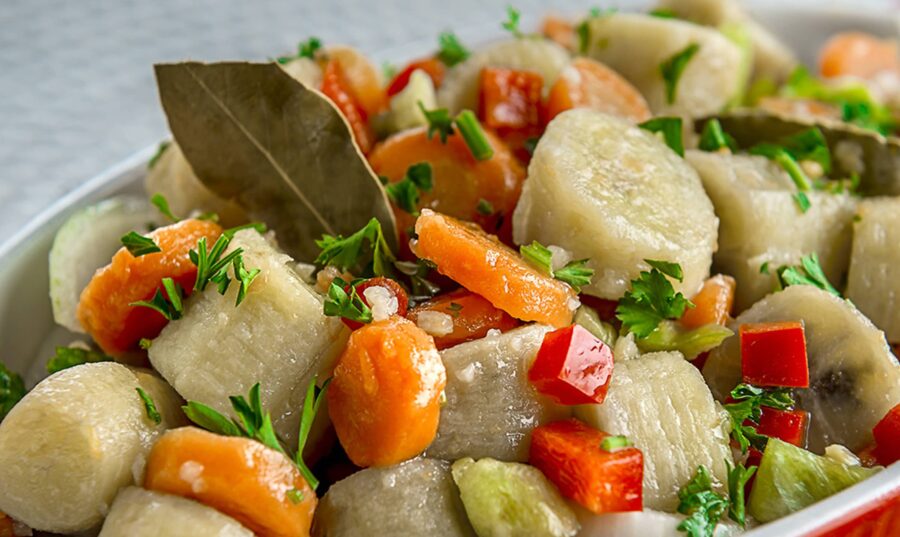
473	316
774	354
336	88
485	191
384	398
586	83
255	485
571	455
482	264
712	303
858	54
431	66
104	309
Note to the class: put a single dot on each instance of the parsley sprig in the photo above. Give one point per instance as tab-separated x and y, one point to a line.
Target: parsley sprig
670	128
365	251
703	506
511	24
673	67
440	122
162	204
737	480
149	406
139	245
67	357
809	272
12	390
406	193
575	273
788	152
348	305
305	49
713	138
652	299
168	304
747	406
256	423
451	51
163	146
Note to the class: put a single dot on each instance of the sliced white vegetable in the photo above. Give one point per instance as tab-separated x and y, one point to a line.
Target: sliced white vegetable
661	403
137	512
278	336
636	45
417	497
304	70
87	242
874	278
760	222
491	407
172	176
75	440
646	523
405	111
460	87
854	379
615	194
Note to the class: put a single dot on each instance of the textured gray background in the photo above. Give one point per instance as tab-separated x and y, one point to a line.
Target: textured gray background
76	85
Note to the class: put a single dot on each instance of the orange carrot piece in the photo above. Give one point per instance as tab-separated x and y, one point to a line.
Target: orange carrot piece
6	526
571	455
587	83
472	317
336	88
484	265
384	398
858	54
510	99
460	181
104	309
432	66
362	78
559	29
254	484
712	303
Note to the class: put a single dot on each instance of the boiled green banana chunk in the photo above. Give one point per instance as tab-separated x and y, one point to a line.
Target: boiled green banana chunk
77	438
615	194
853	377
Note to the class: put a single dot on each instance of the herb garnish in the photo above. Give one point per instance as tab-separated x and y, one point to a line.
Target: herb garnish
162	204
737	479
305	49
149	406
748	404
484	207
163	146
139	245
256	423
67	357
703	506
576	273
713	138
530	144
295	496
451	51
614	443
12	390
672	69
511	24
348	253
466	122
670	127
169	305
663	13
351	306
652	299
439	121
584	30
809	272
406	193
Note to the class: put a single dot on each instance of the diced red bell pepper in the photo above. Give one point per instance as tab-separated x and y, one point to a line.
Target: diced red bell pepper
787	425
433	67
572	366
568	452
392	286
774	354
510	99
887	437
336	88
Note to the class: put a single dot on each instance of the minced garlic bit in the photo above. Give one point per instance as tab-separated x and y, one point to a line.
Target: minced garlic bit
191	472
559	257
433	374
839	453
435	323
382	302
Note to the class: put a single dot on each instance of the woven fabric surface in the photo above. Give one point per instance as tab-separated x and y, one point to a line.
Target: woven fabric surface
76	85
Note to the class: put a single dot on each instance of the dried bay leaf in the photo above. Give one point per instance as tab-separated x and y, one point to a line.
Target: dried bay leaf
874	157
282	151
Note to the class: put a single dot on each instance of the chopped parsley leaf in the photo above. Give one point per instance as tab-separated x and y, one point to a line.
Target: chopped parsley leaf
511	24
160	202
149	406
672	69
406	193
12	390
703	506
139	245
808	273
305	49
163	146
652	299
484	207
663	13
451	51
439	121
747	405
169	305
295	496
584	30
67	357
670	127
538	256
530	144
351	306
737	479
714	137
575	273
348	253
613	443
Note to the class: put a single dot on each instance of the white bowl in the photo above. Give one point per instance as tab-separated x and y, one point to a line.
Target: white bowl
28	333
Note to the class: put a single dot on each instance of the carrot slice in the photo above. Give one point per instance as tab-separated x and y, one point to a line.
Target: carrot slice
460	181
104	309
6	526
712	304
433	67
586	83
362	78
336	88
510	104
254	484
559	29
384	398
473	316
858	54
482	264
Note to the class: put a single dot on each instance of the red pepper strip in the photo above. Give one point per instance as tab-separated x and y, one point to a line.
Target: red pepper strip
774	354
887	437
432	67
